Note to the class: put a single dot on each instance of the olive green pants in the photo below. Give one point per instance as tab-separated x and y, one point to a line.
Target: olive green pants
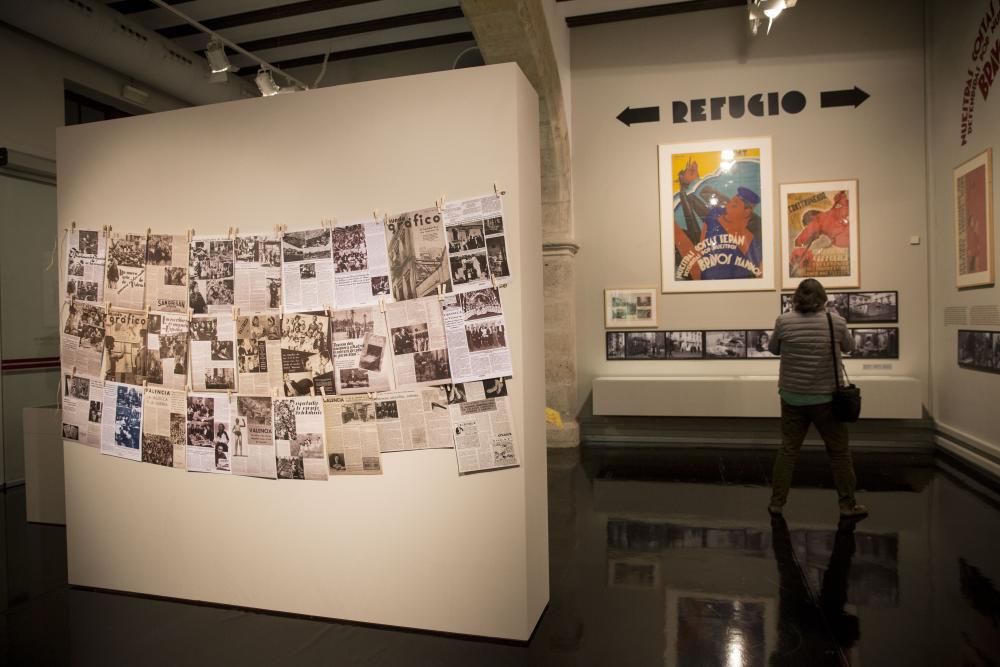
795	421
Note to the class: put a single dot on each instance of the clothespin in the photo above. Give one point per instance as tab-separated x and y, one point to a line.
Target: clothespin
107	309
109	230
72	225
190	233
497	191
329	310
145	383
149	232
274	392
147	311
493	280
73	372
322	390
381	303
441	293
375	214
190	314
440	203
187	388
236	231
236	313
104	229
312	390
229	395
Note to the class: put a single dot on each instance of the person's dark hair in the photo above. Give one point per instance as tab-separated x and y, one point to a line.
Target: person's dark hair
810	297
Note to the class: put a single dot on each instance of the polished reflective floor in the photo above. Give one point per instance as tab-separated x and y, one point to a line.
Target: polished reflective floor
657	558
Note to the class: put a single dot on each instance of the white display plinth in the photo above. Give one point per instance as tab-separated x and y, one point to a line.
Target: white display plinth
43	465
418	546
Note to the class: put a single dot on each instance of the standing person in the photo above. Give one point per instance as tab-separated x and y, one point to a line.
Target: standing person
806	384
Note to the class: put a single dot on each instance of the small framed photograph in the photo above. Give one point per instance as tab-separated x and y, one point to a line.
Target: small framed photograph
614	342
978	350
630	308
819	233
836	302
728	344
873	307
684	344
757	342
973	189
644	345
880	343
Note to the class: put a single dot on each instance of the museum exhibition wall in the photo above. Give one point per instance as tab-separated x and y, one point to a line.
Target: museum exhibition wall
679	63
352	281
964	121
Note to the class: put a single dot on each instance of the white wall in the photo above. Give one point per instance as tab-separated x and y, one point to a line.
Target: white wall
815	47
965	401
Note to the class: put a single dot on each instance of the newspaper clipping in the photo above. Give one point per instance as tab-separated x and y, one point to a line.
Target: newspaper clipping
360	264
126	350
417	257
82	341
359	348
307	270
125	286
121	421
299	440
81	409
253	438
484	430
477	251
211	274
258	352
258	273
413	419
306	360
166	273
477	336
213	362
209	418
163	428
85	264
167	339
351	436
419	348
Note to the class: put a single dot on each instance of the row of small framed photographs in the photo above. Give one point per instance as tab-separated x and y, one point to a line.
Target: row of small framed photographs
857	307
877	343
979	350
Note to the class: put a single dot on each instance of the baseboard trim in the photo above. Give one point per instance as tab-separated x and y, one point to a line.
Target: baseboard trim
974	452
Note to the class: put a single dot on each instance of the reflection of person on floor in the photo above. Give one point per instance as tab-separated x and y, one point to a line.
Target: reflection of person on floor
805	624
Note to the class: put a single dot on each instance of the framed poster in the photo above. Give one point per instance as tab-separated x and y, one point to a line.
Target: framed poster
716	216
628	307
973	184
819	233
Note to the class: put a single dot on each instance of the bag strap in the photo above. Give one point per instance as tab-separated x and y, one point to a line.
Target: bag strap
833	354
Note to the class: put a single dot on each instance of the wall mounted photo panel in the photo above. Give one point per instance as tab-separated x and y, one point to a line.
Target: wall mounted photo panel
819	233
880	343
979	350
727	344
684	344
973	189
630	307
716	216
644	345
873	307
614	345
757	342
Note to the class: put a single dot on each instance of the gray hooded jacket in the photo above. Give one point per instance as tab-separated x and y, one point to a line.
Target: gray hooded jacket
803	341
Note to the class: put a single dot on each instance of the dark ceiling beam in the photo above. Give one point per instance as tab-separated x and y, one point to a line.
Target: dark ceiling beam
259	16
370	51
135	6
650	11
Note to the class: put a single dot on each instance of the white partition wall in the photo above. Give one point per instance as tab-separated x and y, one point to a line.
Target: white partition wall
419	546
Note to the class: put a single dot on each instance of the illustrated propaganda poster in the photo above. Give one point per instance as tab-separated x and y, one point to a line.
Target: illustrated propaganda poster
974	221
716	216
418	260
819	233
86	254
125	285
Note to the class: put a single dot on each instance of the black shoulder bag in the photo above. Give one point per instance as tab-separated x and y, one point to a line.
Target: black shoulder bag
846	398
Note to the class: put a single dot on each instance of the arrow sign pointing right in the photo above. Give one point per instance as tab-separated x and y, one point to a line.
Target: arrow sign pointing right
852	97
639	115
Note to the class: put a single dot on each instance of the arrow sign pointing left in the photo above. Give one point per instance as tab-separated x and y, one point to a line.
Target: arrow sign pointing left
639	115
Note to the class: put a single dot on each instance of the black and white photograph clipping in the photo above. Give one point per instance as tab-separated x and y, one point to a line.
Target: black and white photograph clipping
683	345
418	343
418	259
361	355
258	273
209	433
729	344
307	270
879	343
483	428
352	436
82	339
873	307
614	344
121	421
258	352
211	274
252	446
361	264
299	438
645	345
413	419
127	357
166	273
125	284
167	339
82	403
86	255
213	352
757	342
477	250
306	358
477	335
164	436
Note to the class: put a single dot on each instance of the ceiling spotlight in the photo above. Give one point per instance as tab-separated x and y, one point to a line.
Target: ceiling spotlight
760	10
217	58
265	83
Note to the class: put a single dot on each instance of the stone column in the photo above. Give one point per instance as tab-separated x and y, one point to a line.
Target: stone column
516	31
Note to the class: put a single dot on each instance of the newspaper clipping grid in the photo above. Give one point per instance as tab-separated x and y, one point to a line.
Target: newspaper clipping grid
352	442
477	251
359	348
125	286
121	421
484	431
418	260
82	403
258	273
211	274
166	273
253	438
413	419
360	263
209	422
213	364
307	270
85	265
476	334
82	340
163	427
419	348
126	351
299	438
167	340
306	360
258	352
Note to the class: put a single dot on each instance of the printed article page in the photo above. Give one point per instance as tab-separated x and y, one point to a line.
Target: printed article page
360	264
258	352
167	340
86	255
351	436
163	427
211	274
166	273
299	438
213	364
477	336
125	286
307	270
209	424
413	419
258	273
126	350
361	357
253	438
418	259
82	340
121	421
83	399
484	431
306	360
477	251
419	347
